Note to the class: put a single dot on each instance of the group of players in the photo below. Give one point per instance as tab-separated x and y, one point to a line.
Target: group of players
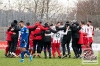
25	39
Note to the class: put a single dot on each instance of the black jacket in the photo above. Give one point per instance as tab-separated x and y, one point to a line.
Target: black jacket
75	30
48	38
16	30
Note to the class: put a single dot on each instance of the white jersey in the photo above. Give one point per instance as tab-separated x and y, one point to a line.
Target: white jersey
57	36
83	28
89	31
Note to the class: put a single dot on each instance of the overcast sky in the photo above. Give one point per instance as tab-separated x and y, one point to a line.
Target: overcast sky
64	3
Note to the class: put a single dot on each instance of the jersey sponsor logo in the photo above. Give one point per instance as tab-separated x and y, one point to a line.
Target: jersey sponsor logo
58	35
37	28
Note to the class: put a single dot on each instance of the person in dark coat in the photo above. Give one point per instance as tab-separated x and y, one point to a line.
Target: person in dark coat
15	29
75	38
66	41
47	40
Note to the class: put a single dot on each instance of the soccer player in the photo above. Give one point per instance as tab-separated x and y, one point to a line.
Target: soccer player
90	31
75	38
47	40
56	41
66	41
38	39
24	41
82	39
15	29
30	40
9	40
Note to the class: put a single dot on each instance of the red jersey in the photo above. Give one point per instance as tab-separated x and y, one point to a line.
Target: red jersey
9	34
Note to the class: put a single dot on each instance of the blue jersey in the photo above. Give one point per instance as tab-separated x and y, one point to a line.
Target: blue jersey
24	36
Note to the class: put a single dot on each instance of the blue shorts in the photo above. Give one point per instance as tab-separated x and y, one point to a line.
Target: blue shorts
23	45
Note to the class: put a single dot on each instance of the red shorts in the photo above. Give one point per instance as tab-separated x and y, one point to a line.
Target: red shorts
90	40
57	45
85	40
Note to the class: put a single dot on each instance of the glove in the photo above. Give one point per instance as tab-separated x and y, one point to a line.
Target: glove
23	41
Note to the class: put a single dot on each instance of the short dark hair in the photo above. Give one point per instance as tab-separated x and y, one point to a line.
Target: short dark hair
27	23
15	21
61	23
51	24
21	22
82	22
90	21
58	22
40	22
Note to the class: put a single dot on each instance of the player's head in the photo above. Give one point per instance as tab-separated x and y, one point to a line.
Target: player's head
89	23
21	23
27	24
15	21
82	23
61	23
58	24
46	24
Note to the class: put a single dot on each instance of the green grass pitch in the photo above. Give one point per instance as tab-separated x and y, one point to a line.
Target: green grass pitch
43	62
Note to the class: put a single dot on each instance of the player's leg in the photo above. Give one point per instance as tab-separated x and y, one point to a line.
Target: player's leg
42	45
49	48
6	51
7	48
80	50
53	50
74	46
58	49
22	54
31	46
14	46
68	48
39	49
23	51
45	46
18	51
11	48
63	47
34	49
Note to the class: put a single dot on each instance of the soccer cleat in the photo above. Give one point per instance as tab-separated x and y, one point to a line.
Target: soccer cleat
22	60
31	58
69	56
9	55
59	56
50	57
39	56
34	56
6	55
80	57
45	57
64	56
